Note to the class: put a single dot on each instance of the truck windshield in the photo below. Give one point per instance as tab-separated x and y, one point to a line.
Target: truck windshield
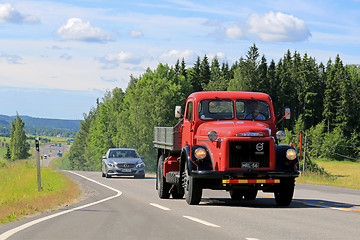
216	109
252	109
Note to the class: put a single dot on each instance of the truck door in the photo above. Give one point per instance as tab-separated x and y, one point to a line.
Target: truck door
187	132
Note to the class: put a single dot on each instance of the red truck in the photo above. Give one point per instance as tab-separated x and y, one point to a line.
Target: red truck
225	141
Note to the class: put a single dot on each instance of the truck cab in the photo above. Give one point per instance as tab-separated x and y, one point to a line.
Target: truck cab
225	141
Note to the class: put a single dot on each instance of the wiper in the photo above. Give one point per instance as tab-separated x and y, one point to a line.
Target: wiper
227	102
259	101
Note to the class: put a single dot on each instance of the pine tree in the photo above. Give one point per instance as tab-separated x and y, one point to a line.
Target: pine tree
19	147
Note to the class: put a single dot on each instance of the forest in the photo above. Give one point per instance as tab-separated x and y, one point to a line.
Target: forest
324	101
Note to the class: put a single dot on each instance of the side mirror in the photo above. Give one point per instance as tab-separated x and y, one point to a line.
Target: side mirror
287	113
178	111
142	157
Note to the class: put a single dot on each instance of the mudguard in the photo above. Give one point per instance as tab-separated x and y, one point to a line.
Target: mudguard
282	163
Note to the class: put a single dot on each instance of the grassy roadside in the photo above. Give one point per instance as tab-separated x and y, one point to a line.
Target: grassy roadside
18	190
345	174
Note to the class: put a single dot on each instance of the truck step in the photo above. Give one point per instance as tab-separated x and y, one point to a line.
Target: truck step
173	177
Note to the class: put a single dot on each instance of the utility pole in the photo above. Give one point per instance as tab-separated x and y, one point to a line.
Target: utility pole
304	158
37	150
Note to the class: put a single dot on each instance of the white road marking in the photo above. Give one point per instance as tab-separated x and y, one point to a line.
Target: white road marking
29	224
159	206
201	221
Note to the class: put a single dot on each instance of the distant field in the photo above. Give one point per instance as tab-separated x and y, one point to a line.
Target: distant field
345	174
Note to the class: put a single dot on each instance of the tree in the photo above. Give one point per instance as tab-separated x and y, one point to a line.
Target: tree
19	147
8	153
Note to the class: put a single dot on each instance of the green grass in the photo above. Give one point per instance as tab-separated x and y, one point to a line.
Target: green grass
18	190
61	162
343	174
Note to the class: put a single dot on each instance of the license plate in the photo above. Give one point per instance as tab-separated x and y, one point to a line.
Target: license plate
126	170
250	165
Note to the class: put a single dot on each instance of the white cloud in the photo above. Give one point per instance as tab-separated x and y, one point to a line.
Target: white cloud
136	34
11	58
112	60
8	14
278	27
77	29
174	55
234	32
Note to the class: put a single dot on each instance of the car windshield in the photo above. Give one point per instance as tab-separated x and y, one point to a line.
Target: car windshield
252	109
215	109
123	154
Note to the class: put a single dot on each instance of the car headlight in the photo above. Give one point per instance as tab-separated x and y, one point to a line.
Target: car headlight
212	135
140	164
111	164
291	154
200	153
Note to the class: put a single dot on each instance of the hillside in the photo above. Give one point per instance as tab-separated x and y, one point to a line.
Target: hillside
32	122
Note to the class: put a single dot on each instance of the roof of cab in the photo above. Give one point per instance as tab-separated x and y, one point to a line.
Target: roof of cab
230	95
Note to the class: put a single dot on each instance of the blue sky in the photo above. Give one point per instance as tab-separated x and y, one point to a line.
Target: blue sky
57	57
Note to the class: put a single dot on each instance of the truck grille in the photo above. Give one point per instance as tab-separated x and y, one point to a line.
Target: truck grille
248	151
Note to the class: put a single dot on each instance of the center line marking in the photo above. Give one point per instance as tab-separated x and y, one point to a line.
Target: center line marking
201	221
159	206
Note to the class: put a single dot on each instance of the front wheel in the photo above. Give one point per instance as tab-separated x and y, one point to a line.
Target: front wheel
285	191
192	189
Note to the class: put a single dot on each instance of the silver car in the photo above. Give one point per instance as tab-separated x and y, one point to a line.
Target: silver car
122	162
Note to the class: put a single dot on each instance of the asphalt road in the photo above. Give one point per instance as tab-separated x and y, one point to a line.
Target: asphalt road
127	208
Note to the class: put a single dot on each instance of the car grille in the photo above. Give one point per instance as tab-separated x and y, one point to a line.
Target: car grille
126	165
248	151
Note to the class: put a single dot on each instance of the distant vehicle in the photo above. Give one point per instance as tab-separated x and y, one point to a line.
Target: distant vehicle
122	162
45	156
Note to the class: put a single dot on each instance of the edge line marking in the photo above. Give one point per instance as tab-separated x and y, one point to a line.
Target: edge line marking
11	232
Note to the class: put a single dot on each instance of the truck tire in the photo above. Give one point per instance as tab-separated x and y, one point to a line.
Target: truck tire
192	189
285	191
236	194
163	188
250	194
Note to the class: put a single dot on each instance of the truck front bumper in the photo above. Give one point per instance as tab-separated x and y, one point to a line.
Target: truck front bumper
243	174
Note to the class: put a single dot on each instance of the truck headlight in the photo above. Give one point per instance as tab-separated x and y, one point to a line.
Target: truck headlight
200	153
291	154
212	135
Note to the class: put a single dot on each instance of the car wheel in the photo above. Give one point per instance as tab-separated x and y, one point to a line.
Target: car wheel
163	188
107	174
139	176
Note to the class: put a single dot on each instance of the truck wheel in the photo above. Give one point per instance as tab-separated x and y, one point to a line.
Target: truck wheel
163	188
250	194
192	189
176	194
236	194
285	191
